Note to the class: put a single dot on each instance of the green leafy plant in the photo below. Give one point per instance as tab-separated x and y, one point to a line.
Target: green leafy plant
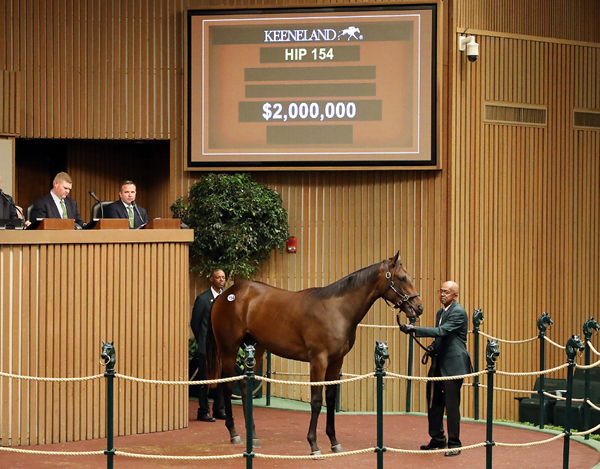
237	222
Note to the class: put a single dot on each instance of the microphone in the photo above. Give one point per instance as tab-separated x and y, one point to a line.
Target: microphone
11	203
100	203
145	222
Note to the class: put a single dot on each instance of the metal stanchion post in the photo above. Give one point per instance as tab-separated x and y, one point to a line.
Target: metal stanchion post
542	324
381	355
108	355
477	318
249	362
268	398
409	371
588	327
574	345
491	353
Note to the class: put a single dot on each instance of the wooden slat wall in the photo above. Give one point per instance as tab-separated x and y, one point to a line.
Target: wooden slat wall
510	216
9	99
59	302
524	213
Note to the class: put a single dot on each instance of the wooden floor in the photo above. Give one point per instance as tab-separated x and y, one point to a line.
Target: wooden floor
283	432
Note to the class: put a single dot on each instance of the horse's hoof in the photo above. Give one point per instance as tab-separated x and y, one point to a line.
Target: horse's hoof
316	453
337	448
236	440
256	443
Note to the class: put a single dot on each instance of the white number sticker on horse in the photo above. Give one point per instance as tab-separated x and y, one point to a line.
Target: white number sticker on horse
231	297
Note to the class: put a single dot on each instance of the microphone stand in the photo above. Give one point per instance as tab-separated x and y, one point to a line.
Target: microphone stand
100	203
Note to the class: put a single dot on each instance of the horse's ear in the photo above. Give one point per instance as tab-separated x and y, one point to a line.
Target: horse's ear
396	258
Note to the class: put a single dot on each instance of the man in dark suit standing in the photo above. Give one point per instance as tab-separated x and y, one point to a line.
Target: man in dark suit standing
126	207
450	357
57	204
200	324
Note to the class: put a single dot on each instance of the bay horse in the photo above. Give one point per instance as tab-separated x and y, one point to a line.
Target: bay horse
316	325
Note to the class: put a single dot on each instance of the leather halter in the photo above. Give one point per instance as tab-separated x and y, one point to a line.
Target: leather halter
404	298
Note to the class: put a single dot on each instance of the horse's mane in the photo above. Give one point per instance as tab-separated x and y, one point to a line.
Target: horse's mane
349	282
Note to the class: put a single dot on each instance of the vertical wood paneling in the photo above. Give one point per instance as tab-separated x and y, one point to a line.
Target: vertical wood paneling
524	195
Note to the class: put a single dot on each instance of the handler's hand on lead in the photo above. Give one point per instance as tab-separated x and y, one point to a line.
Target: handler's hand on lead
407	328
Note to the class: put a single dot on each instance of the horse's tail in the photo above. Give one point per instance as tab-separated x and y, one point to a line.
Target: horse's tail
213	357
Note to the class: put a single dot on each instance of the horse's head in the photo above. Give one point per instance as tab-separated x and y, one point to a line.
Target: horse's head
108	354
543	321
574	345
400	289
492	352
381	354
588	327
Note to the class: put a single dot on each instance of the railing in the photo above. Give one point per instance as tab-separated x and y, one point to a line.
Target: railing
379	375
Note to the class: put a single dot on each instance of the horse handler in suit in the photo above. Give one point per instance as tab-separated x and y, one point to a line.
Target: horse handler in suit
450	357
57	204
200	324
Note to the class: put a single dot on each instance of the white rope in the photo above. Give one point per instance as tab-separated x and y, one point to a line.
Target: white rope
179	458
554	343
191	383
9	449
507	341
38	378
587	367
593	349
532	443
587	432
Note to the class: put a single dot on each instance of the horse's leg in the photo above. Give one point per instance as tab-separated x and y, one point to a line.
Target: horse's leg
227	390
333	374
317	373
316	402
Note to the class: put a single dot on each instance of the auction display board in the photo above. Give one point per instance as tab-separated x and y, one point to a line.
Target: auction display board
346	87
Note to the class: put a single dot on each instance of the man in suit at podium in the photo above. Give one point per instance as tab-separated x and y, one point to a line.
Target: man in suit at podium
57	204
126	207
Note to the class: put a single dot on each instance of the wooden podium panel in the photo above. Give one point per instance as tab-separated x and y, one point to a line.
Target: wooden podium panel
63	294
56	224
112	224
164	224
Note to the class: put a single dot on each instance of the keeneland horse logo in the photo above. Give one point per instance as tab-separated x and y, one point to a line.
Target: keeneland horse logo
350	32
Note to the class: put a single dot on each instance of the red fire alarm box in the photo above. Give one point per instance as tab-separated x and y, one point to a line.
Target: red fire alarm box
292	244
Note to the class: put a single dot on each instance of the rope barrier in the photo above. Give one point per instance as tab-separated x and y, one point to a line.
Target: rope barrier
593	349
190	383
532	443
554	343
587	367
507	341
38	378
178	458
10	449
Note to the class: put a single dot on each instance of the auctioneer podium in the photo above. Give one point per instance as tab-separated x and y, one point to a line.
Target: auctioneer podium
63	292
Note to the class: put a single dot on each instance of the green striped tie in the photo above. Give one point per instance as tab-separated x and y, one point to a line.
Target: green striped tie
64	209
130	210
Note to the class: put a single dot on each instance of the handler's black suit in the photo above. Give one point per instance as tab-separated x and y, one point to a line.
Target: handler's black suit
200	323
450	358
7	208
44	207
117	210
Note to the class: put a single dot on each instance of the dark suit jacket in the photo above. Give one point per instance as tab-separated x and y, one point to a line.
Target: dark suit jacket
7	209
118	210
200	318
450	342
44	207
